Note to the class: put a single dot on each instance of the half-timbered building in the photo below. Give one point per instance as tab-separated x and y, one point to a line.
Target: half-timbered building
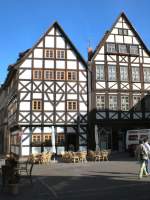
47	97
120	76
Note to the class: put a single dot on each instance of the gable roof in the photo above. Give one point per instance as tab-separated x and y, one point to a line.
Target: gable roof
103	40
56	25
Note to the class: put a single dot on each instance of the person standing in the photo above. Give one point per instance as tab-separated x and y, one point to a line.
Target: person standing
142	155
147	147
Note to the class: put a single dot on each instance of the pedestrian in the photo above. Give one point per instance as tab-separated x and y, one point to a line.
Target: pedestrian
147	147
142	155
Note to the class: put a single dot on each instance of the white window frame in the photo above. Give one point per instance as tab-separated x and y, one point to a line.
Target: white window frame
113	102
112	73
124	103
135	74
111	47
100	74
100	101
133	50
123	73
122	48
146	74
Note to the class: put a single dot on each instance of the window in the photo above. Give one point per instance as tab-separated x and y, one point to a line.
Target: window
100	72
113	102
146	74
135	74
122	48
111	73
137	102
48	74
36	105
111	48
100	102
60	139
124	103
122	31
123	73
72	105
36	139
47	139
60	75
72	75
60	54
37	74
134	49
133	137
49	53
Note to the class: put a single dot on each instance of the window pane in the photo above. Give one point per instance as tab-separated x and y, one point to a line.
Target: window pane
113	102
122	48
135	74
124	103
147	74
100	72
123	73
111	73
134	49
111	48
100	102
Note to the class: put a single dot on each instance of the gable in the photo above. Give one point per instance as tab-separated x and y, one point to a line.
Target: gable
53	41
121	33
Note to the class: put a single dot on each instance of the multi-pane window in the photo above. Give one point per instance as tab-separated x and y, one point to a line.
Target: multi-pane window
48	74
113	102
72	105
72	75
100	101
60	139
123	73
134	49
137	102
111	48
60	54
37	74
36	105
135	74
146	74
111	73
122	48
36	139
124	103
60	75
49	53
122	31
100	72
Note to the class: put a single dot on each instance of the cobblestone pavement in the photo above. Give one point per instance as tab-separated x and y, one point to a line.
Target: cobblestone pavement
116	179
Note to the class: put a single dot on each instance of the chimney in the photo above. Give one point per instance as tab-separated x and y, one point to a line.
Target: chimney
90	53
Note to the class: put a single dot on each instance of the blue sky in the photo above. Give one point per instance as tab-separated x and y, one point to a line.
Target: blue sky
23	22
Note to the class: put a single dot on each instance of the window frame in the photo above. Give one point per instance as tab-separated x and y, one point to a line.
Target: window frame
102	102
36	105
112	105
111	76
73	75
39	74
124	105
100	72
71	105
49	53
60	54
